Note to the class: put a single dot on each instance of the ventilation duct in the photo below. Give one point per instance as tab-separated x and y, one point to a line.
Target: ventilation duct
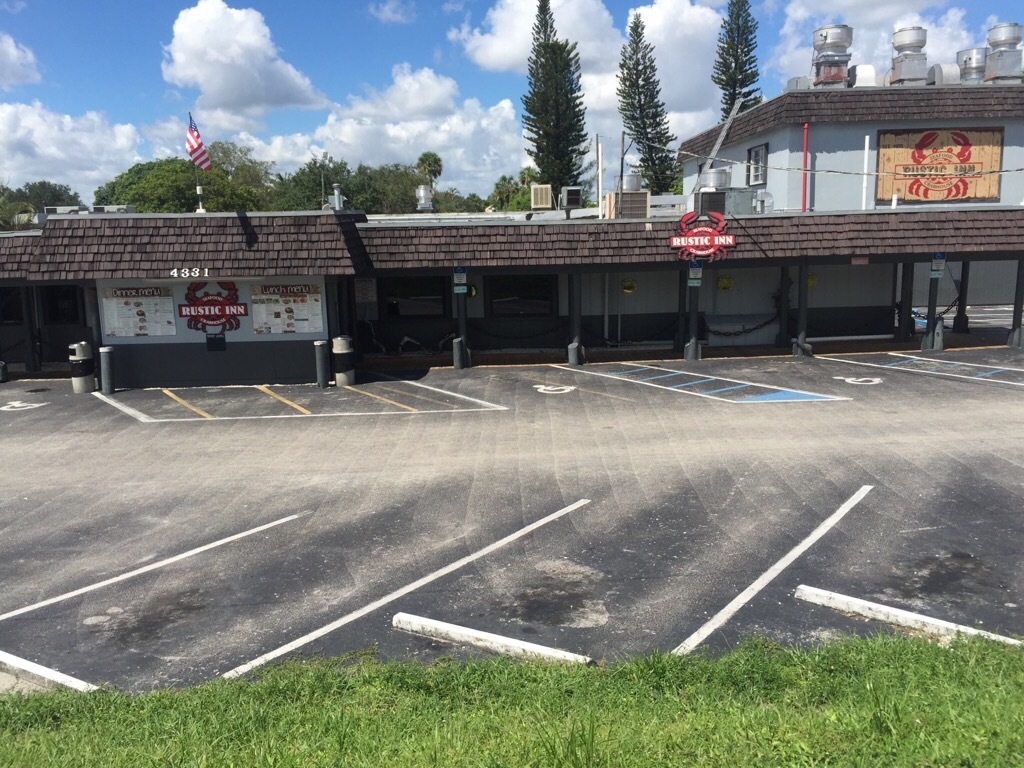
1003	63
831	55
972	65
910	65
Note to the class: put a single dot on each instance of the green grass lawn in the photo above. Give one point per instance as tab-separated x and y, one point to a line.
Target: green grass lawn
881	701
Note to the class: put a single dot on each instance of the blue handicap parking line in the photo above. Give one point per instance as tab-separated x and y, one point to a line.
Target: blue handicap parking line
691	383
784	394
665	375
768	393
726	389
991	373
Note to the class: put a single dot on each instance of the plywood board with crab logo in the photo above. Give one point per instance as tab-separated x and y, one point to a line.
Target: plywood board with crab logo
939	165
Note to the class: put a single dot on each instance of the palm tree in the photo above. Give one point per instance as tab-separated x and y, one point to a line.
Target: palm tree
504	188
430	165
15	214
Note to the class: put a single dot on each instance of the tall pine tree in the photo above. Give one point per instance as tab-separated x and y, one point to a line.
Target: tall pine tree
554	118
643	111
736	66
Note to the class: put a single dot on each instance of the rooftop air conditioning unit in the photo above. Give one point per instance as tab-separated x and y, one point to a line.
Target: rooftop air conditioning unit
64	209
113	209
630	205
571	198
540	197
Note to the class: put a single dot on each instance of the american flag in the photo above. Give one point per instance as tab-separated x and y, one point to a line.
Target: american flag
194	146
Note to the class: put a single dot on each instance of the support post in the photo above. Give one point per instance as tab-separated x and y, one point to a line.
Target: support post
960	320
679	344
575	352
1016	338
692	351
28	312
107	370
460	346
323	364
905	320
933	335
801	348
782	339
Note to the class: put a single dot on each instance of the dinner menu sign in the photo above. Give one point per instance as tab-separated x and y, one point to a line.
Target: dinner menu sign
143	311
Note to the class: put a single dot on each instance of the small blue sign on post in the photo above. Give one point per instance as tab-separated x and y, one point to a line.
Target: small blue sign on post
938	265
459	275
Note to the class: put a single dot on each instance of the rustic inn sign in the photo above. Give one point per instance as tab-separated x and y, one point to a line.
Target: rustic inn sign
936	166
696	240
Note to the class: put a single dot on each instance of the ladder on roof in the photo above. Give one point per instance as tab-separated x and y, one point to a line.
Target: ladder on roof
718	143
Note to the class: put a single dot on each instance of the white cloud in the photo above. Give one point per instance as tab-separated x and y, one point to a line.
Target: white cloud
13	6
873	23
17	64
228	55
411	95
394	11
503	42
477	143
82	152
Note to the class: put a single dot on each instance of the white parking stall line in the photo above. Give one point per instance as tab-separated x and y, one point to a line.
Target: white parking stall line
294	645
746	595
487	406
797	395
146	568
910	359
957	362
128	409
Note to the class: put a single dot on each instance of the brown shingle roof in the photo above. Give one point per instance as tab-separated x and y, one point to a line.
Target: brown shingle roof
97	247
995	232
889	105
16	250
91	246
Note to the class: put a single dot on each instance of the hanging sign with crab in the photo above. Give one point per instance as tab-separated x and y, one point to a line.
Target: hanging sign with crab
213	307
939	165
695	239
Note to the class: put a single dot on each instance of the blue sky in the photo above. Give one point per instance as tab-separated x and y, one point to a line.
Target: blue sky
88	89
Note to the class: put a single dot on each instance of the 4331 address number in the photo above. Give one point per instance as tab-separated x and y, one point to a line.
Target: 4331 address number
190	272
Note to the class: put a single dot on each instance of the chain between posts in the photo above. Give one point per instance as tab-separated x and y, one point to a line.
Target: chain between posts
744	331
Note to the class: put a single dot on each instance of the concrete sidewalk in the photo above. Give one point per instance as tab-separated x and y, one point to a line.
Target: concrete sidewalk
10	683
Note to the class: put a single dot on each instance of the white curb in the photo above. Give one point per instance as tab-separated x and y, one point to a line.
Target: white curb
29	670
440	630
889	615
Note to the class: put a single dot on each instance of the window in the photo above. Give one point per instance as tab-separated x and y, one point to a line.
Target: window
413	296
10	307
757	165
522	295
61	305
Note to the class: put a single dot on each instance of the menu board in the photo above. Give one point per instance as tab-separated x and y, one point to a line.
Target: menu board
147	311
287	309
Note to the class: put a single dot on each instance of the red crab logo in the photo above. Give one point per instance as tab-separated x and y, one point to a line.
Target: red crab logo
938	171
705	241
212	310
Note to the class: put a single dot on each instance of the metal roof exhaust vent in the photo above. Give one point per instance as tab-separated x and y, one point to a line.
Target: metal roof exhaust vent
715	178
424	198
972	65
1003	64
910	64
831	55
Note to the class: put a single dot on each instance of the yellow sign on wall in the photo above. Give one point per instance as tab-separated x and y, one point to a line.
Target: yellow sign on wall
939	166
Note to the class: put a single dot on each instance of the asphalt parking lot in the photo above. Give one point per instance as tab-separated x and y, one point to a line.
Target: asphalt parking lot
161	538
